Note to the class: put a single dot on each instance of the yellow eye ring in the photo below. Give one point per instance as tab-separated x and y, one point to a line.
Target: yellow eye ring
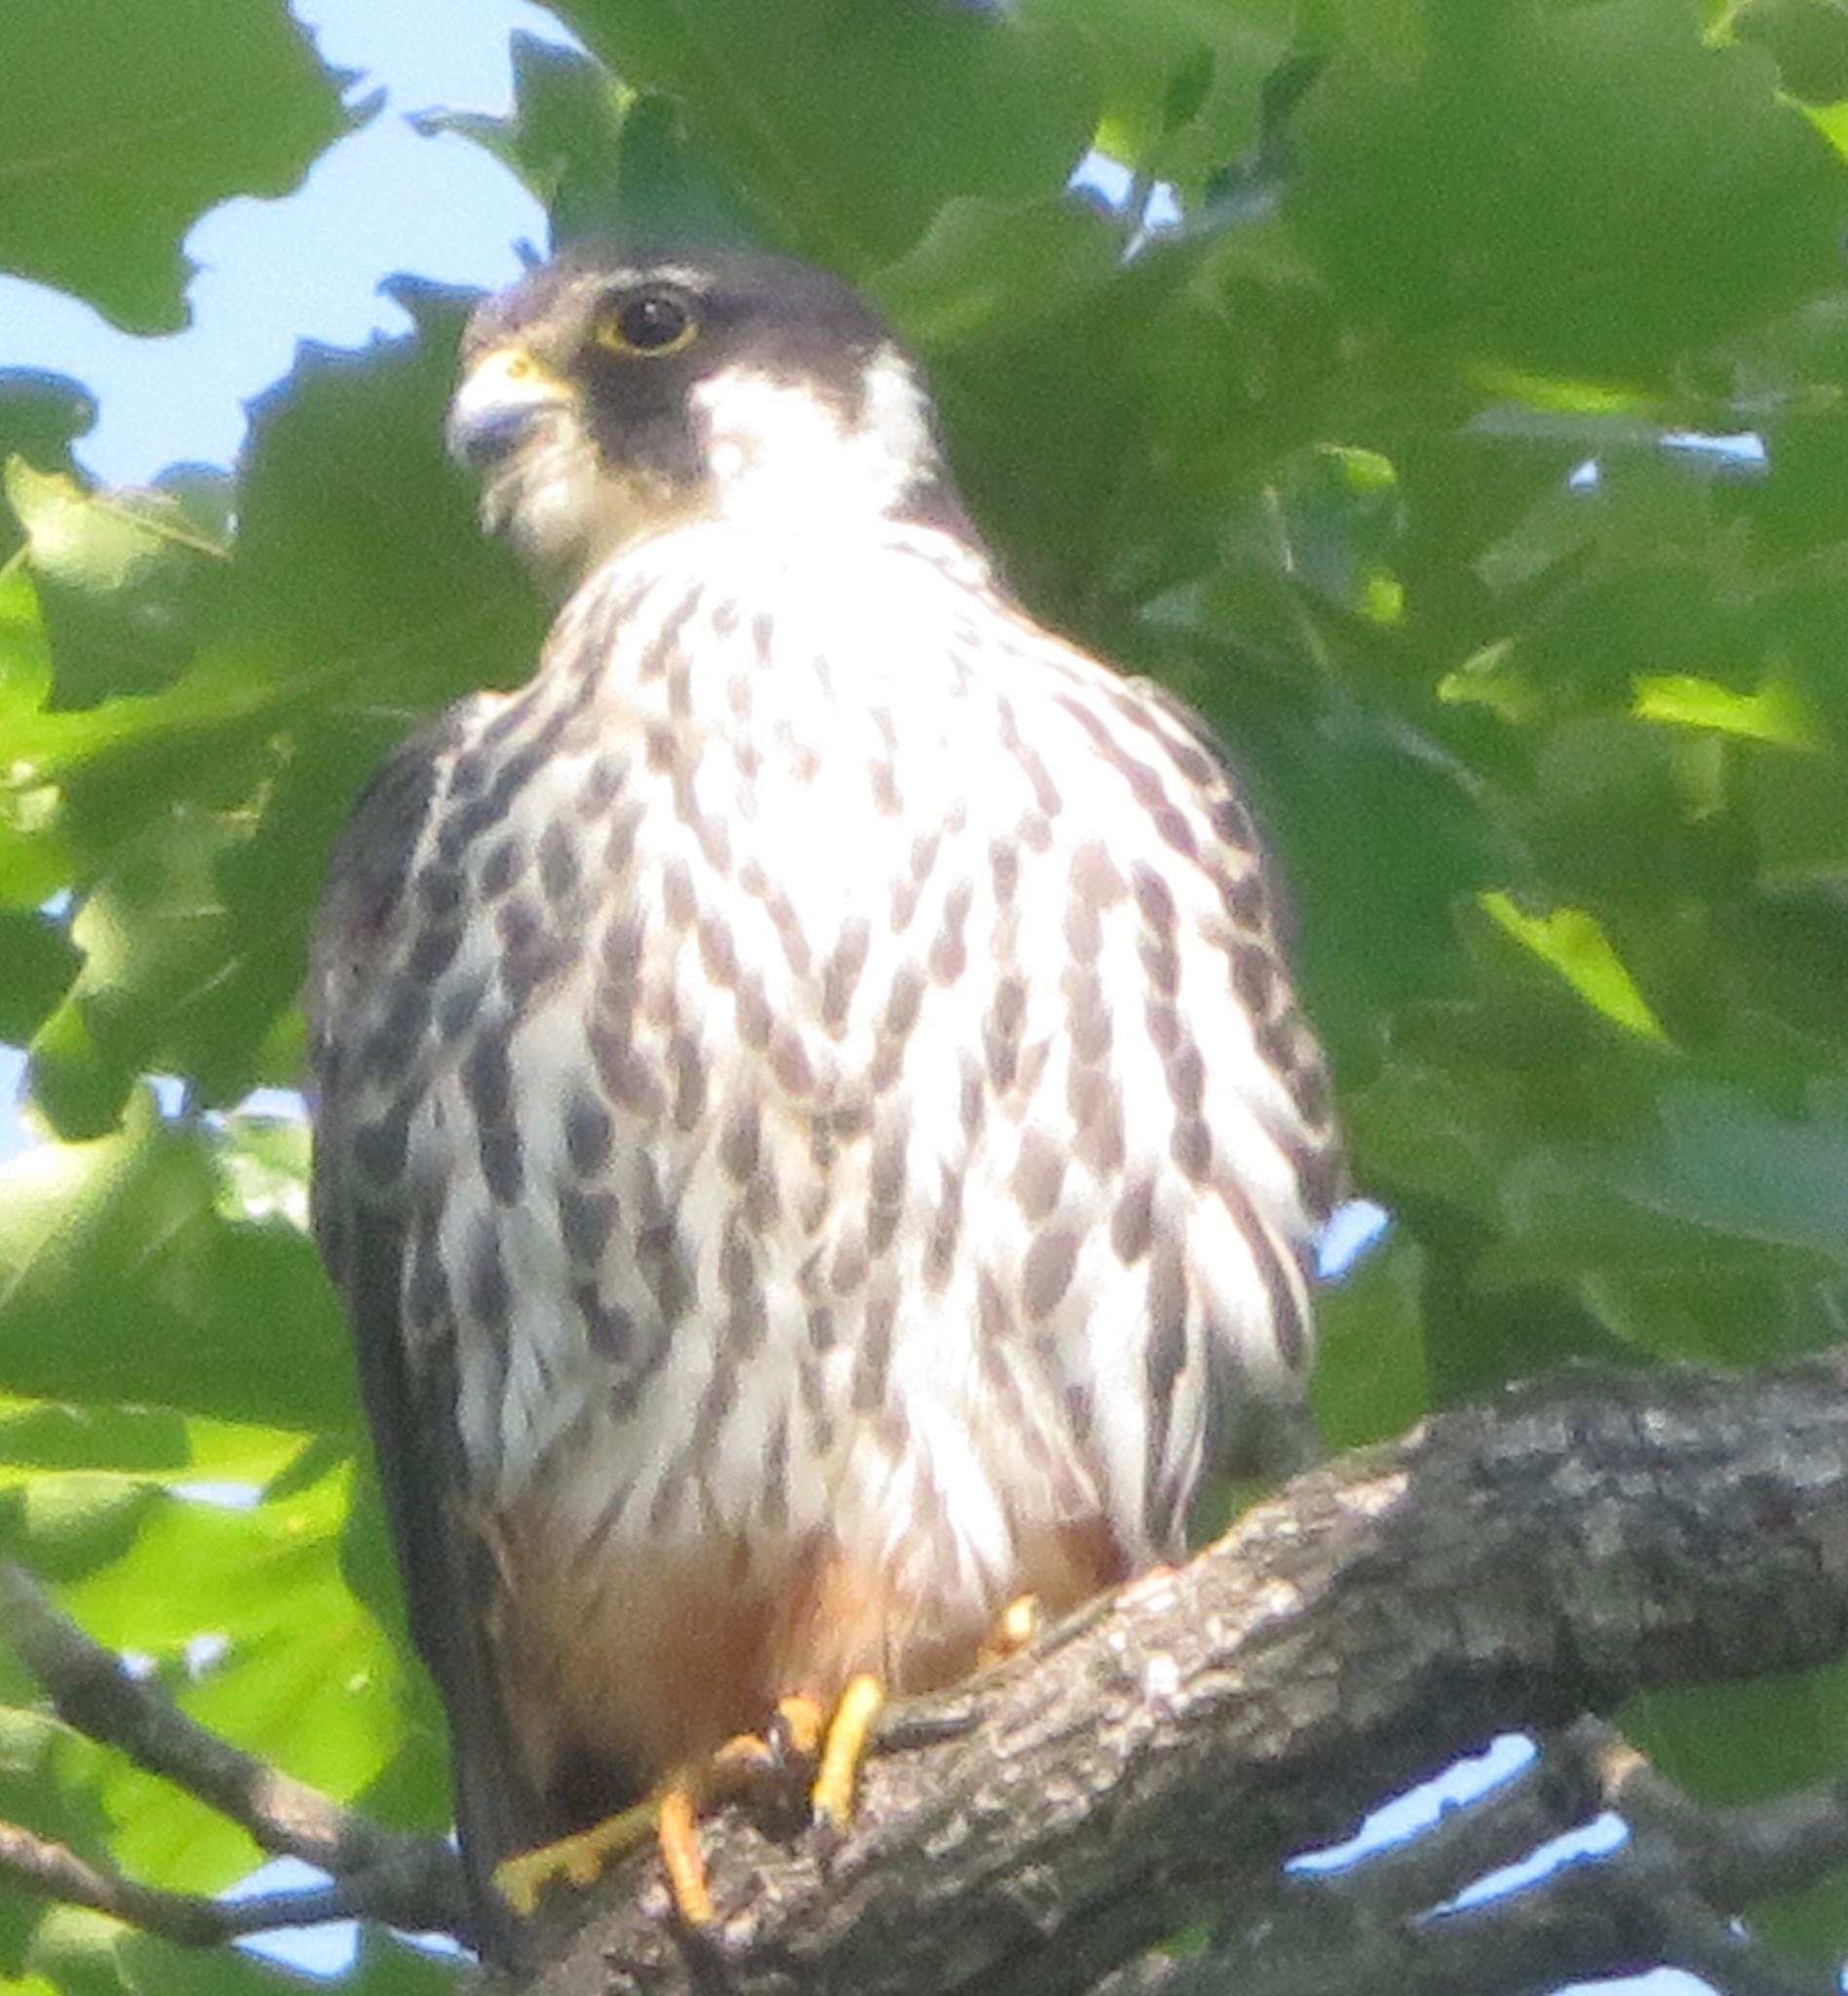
647	325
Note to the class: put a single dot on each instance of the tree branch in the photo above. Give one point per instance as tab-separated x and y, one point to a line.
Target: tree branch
1153	1763
410	1881
1385	1925
52	1871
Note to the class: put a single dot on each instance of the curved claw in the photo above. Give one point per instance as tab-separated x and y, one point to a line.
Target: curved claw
848	1732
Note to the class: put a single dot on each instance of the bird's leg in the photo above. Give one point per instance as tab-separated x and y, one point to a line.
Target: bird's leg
745	1764
796	1737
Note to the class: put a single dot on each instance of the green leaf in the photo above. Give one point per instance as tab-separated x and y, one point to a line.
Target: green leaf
1746	1743
126	581
42	414
593	150
88	1954
1719	1236
120	1280
779	98
1182	82
37	961
33	862
40	1437
1371	1379
1721	1163
360	569
161	963
119	126
64	1525
1581	191
989	270
1776	712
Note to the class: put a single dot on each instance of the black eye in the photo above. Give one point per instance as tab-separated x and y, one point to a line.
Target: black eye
650	322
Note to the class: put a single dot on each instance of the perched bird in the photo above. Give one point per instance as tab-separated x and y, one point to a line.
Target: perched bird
815	1136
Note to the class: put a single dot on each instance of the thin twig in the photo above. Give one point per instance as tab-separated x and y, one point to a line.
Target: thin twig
411	1881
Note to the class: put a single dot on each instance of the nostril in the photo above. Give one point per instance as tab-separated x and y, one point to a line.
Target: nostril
480	437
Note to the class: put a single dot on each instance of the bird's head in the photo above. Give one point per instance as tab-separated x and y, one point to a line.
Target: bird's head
616	391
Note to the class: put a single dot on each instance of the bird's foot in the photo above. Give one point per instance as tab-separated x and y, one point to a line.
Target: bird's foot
792	1743
670	1816
795	1740
577	1859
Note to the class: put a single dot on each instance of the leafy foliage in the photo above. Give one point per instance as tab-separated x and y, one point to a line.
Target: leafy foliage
1398	455
125	124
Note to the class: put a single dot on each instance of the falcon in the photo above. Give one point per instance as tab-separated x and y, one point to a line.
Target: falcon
814	1135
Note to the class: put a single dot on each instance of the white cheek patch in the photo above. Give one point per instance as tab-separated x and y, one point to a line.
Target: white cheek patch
780	449
897	424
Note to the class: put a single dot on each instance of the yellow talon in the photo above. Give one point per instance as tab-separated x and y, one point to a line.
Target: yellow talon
745	1760
848	1731
1019	1622
799	1729
679	1831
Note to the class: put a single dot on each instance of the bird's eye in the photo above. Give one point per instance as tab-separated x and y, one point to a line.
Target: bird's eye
652	323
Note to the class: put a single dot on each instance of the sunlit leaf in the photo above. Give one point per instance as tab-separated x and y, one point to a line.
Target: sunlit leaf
1574	943
120	1279
1776	712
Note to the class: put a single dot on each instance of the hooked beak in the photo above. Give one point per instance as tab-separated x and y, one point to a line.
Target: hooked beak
502	396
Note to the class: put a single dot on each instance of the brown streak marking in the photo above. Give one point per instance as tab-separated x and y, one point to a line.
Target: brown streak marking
557	863
1287	1327
1039	1175
489	1300
948	953
748	1318
1096	1112
1048	1271
1133	1224
842	970
618	847
873	1354
740	1146
689	1080
677	893
939	1249
585	1221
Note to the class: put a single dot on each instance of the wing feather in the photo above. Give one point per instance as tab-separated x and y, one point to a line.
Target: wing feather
408	1385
